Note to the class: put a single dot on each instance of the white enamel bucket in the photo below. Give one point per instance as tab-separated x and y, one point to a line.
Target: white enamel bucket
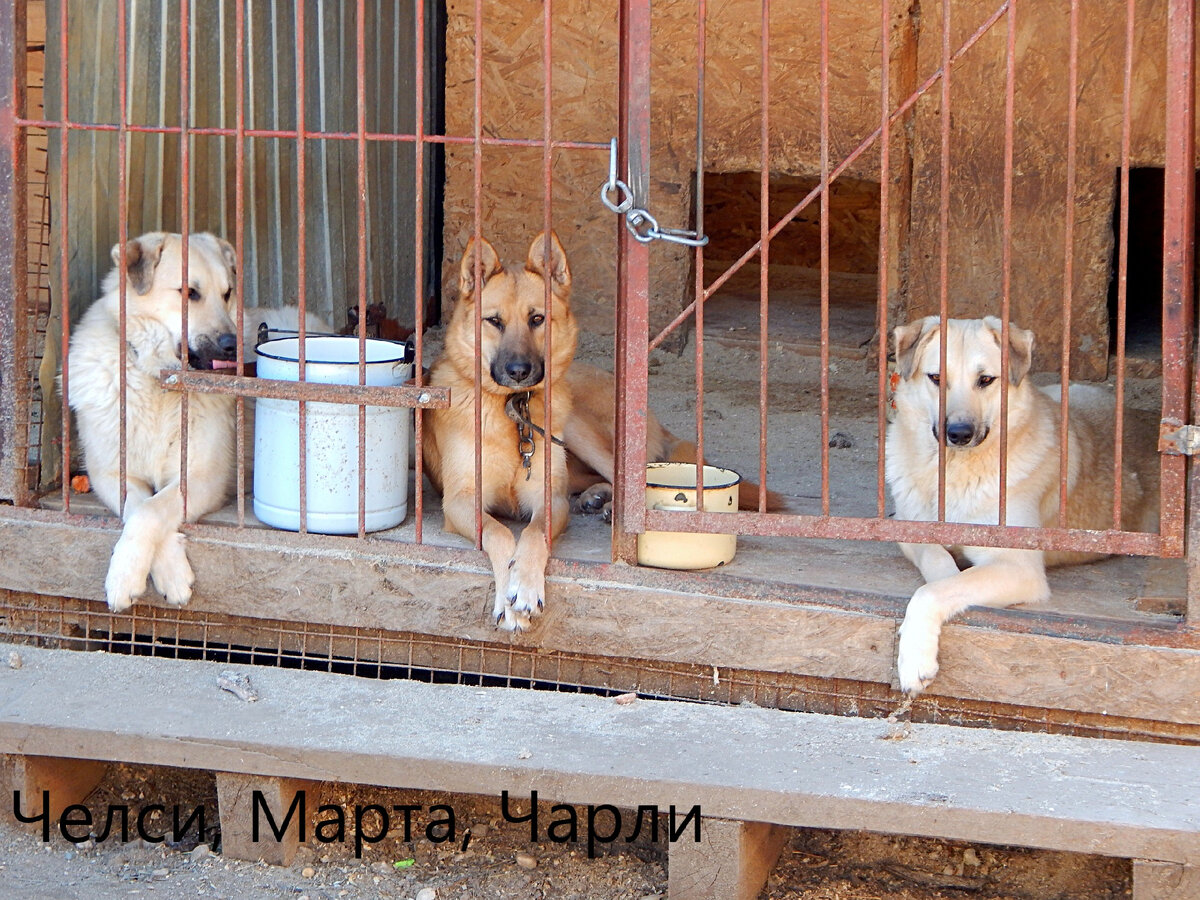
331	440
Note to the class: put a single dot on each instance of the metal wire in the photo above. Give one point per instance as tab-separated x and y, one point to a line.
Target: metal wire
61	623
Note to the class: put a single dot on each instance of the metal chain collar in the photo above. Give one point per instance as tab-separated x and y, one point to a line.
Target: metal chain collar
517	409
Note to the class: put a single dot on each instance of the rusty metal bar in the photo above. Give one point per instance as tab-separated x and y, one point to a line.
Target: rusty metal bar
239	228
301	263
1123	264
1178	253
477	263
698	255
360	205
123	240
764	242
185	225
14	274
885	182
64	140
837	170
872	529
419	275
943	256
1010	90
547	227
824	128
633	285
208	383
311	135
1068	255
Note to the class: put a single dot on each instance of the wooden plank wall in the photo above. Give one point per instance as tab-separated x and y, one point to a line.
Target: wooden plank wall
271	235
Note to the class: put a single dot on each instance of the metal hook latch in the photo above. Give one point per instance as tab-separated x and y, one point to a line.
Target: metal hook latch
616	195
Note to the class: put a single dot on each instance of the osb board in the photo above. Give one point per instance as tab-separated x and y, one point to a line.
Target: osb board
584	81
1040	190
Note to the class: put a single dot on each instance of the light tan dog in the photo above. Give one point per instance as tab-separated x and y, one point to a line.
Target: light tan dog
513	367
996	576
150	543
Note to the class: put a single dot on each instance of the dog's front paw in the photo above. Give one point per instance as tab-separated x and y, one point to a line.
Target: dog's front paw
507	618
126	579
527	587
171	571
594	500
917	657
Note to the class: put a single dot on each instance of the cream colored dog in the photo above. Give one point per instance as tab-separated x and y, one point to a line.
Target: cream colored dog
996	576
150	543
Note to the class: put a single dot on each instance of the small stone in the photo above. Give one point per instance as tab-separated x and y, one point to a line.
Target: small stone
625	699
841	441
948	870
426	894
970	857
15	661
199	852
160	873
308	872
479	830
70	854
525	861
524	754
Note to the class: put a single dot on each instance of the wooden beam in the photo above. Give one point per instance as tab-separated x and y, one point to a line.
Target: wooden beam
65	782
235	797
1115	798
731	861
1164	881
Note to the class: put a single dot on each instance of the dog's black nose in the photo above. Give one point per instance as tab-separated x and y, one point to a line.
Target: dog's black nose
518	369
959	433
227	343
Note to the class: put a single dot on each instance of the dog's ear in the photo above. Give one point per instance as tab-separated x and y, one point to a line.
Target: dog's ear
229	254
489	265
558	273
907	338
141	259
1020	348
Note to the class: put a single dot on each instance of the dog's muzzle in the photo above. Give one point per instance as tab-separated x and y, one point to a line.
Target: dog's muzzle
208	353
962	434
517	372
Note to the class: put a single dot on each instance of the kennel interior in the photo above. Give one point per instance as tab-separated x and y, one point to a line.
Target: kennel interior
839	200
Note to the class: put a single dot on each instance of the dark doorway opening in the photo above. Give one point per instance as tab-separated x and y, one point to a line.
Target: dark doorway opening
731	216
1144	270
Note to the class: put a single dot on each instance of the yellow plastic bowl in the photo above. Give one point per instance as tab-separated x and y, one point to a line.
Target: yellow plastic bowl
672	486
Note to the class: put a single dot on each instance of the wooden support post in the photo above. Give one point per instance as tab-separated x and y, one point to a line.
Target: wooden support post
66	781
1164	880
235	799
731	861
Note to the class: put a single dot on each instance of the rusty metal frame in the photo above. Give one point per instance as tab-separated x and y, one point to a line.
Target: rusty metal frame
14	393
631	517
633	267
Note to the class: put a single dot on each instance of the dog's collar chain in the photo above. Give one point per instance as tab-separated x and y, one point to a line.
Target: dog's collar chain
517	409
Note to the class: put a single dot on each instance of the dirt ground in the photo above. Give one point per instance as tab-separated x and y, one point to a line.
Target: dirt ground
499	861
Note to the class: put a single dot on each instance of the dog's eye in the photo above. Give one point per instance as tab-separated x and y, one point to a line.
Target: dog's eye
193	294
985	380
536	319
495	322
935	377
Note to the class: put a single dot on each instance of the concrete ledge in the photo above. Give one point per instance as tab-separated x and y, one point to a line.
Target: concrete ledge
1118	798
